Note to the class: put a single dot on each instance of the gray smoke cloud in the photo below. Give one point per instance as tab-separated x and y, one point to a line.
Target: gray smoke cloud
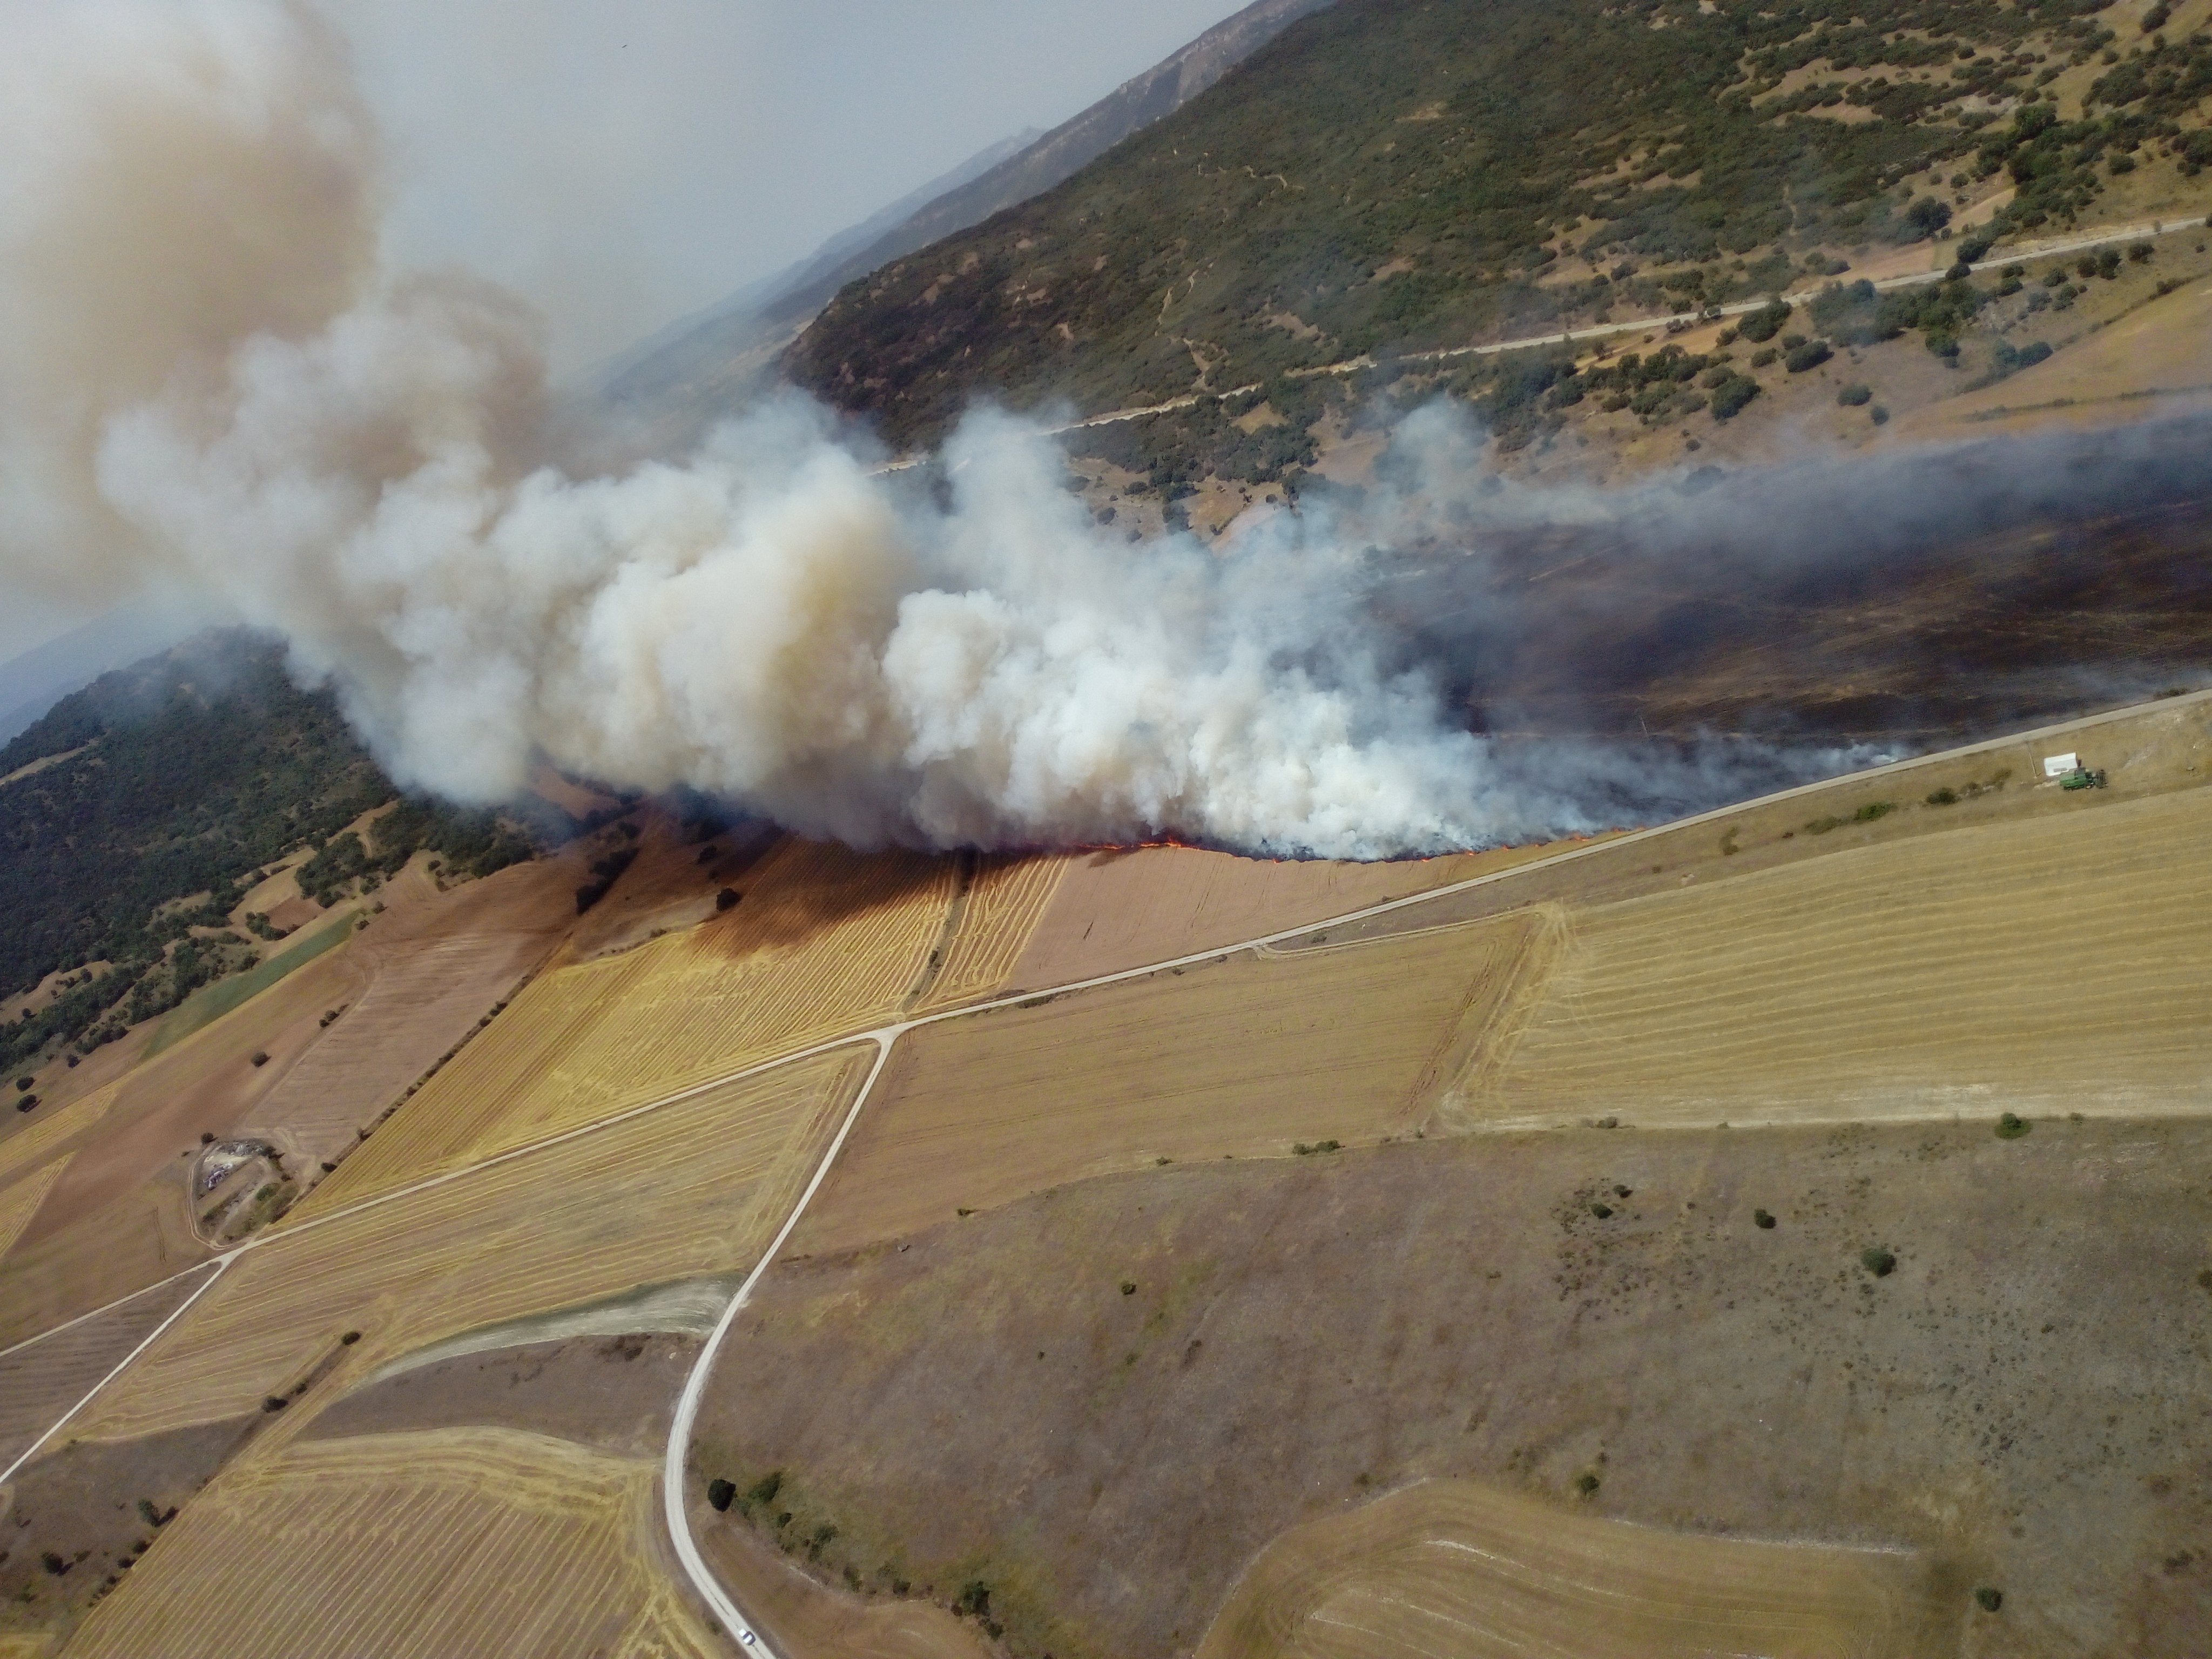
208	378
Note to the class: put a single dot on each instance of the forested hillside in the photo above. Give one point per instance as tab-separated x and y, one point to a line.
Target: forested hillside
136	814
1391	175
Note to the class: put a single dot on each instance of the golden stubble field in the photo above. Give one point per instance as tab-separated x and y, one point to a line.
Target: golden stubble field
1453	1566
825	943
421	1546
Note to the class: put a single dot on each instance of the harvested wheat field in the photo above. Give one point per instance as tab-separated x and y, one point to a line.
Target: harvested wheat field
2052	965
694	1188
1122	908
1245	1056
41	1380
20	1200
991	925
1451	1566
452	1542
826	943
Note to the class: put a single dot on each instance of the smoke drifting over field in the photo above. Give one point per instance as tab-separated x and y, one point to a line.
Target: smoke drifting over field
206	376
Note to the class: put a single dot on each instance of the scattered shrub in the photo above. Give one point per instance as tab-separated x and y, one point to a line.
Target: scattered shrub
1731	395
1761	1219
27	1102
1873	809
1852	395
1811	355
275	1402
974	1600
1991	1600
349	1339
1764	323
1603	1212
764	1491
726	899
1878	414
1586	1483
1945	796
23	1084
720	1493
260	1057
1878	1261
1128	1287
2012	1127
1764	359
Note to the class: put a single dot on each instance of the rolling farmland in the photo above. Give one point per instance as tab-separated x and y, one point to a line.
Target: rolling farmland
826	942
408	1546
694	1188
1244	1055
1450	1566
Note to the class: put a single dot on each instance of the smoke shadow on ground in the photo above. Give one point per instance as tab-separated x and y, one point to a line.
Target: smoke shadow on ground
1921	596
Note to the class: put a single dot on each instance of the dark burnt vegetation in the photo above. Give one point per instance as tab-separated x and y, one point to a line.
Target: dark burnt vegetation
167	792
1387	178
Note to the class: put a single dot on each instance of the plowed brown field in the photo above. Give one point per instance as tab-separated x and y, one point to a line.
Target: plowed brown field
408	1546
1453	1567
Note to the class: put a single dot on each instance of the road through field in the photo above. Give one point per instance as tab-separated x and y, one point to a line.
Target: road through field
884	1037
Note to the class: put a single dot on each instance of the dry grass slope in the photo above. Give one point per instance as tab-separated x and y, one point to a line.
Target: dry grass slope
450	1541
692	1190
827	942
1452	1567
2052	965
1243	1056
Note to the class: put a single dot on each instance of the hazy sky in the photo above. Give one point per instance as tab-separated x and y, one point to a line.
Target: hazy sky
627	163
624	164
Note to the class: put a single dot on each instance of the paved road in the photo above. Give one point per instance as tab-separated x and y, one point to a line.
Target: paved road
673	1468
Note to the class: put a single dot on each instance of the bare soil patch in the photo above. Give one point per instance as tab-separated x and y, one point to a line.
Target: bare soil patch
616	1393
1104	1401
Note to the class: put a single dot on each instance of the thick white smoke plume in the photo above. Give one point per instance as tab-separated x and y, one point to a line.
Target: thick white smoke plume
205	374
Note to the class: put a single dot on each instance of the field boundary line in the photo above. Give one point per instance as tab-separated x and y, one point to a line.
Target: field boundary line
117	1371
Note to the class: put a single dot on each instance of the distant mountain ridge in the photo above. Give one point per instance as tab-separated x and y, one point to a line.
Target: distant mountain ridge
674	386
